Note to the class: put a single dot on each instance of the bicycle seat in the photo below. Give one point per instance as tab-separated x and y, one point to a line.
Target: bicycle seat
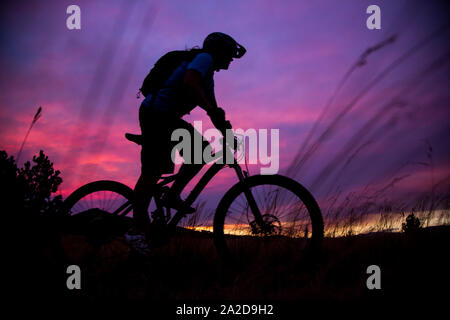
136	138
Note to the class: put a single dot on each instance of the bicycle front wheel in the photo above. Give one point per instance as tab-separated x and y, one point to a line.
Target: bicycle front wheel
290	223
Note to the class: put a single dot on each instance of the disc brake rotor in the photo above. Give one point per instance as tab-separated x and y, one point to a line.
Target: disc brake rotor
271	226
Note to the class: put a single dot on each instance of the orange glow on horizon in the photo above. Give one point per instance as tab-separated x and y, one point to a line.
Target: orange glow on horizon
371	223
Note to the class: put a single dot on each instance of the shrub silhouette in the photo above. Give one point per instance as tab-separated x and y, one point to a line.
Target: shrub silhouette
29	190
31	212
412	224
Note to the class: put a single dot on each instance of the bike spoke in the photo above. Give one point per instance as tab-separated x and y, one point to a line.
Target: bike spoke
104	200
285	216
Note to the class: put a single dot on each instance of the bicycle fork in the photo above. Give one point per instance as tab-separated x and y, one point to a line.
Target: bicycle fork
249	196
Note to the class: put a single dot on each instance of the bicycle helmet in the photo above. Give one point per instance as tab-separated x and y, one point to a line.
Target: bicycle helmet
222	44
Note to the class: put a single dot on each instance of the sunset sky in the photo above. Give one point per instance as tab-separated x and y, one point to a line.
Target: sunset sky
389	119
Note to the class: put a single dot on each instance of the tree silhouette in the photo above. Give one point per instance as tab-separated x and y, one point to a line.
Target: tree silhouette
31	211
412	224
29	190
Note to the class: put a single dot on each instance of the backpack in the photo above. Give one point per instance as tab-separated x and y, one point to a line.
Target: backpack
163	68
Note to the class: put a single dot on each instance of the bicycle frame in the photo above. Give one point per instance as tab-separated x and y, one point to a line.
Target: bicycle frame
195	192
206	178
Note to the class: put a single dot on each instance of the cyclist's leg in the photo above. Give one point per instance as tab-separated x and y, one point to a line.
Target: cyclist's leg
142	197
188	171
139	235
152	164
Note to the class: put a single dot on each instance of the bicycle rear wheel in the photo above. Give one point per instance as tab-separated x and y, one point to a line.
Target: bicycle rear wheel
292	222
109	196
100	213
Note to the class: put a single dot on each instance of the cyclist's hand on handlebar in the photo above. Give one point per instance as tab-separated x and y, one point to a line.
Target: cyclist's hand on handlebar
217	116
226	125
230	138
223	127
236	143
216	113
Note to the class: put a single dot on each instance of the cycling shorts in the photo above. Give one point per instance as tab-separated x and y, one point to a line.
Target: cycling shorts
157	127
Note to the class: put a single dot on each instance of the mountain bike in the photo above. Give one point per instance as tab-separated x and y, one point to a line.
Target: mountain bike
260	214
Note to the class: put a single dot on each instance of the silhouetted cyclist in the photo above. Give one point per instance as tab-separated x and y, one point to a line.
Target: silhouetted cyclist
191	84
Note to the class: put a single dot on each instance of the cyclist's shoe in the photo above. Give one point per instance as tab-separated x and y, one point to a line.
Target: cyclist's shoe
175	202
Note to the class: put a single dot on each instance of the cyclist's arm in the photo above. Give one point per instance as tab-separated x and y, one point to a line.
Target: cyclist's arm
211	97
193	88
